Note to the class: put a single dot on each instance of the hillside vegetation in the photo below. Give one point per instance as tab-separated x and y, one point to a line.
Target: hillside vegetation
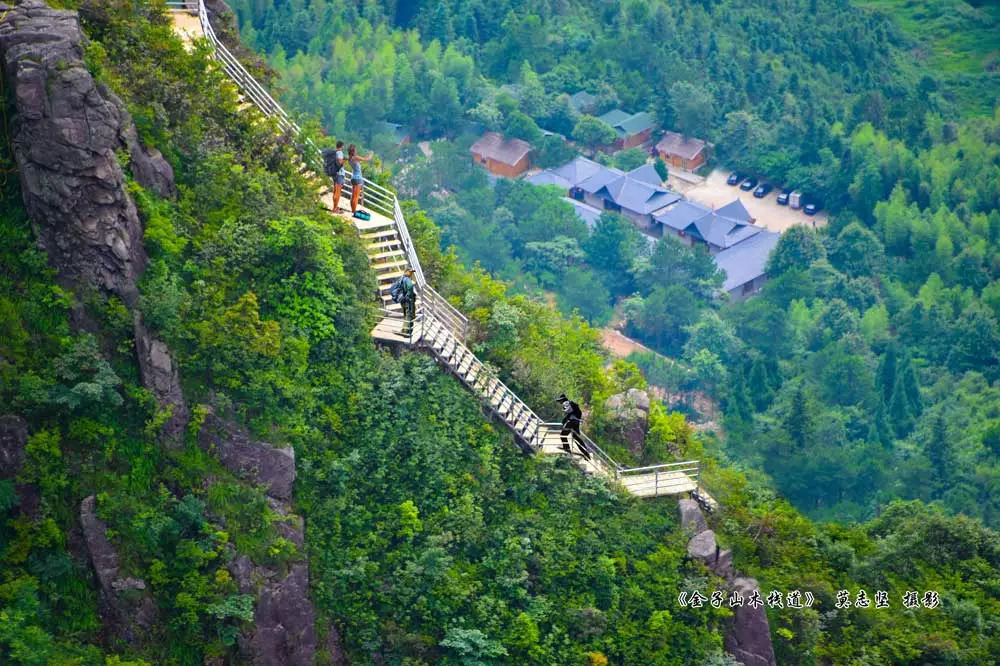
431	539
957	39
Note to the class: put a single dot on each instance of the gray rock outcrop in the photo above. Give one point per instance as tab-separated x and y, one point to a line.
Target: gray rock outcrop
704	548
159	373
692	519
749	638
65	136
66	133
13	440
126	607
258	462
629	414
284	632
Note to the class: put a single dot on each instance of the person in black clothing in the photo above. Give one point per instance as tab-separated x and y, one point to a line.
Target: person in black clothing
572	417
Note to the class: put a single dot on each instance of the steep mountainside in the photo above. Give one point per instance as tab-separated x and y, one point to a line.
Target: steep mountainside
204	459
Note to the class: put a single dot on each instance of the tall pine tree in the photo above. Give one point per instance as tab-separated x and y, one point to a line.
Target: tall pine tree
887	372
940	450
900	414
759	386
799	422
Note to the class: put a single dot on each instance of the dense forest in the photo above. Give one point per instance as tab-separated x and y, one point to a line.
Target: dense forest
431	539
885	324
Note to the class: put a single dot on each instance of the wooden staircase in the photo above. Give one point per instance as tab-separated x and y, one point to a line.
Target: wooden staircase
439	327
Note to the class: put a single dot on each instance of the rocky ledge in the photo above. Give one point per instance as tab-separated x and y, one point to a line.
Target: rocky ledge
127	608
748	638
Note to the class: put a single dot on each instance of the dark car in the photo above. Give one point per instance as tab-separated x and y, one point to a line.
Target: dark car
812	208
734	178
762	190
783	197
749	184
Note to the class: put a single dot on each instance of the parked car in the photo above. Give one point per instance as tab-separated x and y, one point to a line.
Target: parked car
762	190
783	197
812	208
749	184
795	200
734	178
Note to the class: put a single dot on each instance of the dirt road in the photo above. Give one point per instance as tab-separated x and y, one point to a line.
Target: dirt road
620	345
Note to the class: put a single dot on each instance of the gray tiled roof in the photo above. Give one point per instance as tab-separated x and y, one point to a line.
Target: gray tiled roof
581	101
549	178
578	170
745	261
735	210
722	232
673	143
637	196
585	212
599	179
681	214
646	173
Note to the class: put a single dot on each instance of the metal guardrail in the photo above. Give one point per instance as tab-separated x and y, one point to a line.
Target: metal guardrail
381	199
445	312
662	478
552	434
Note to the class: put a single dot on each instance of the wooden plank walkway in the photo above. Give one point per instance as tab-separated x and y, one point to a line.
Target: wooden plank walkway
387	255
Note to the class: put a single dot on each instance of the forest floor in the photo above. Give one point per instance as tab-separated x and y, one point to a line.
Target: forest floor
715	192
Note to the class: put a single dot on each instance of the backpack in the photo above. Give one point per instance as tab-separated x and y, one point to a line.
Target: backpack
330	166
363	215
396	291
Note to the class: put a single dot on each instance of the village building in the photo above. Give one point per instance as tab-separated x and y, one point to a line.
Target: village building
631	129
682	152
502	157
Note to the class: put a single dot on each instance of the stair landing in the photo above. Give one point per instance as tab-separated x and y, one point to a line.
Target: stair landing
388	330
378	220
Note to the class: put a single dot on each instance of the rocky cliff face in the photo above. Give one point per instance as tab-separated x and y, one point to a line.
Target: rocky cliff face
13	440
67	132
126	606
629	414
254	461
748	638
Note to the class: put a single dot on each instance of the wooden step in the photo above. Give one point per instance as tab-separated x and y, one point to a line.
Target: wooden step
507	406
390	277
449	349
390	265
386	233
383	246
386	255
